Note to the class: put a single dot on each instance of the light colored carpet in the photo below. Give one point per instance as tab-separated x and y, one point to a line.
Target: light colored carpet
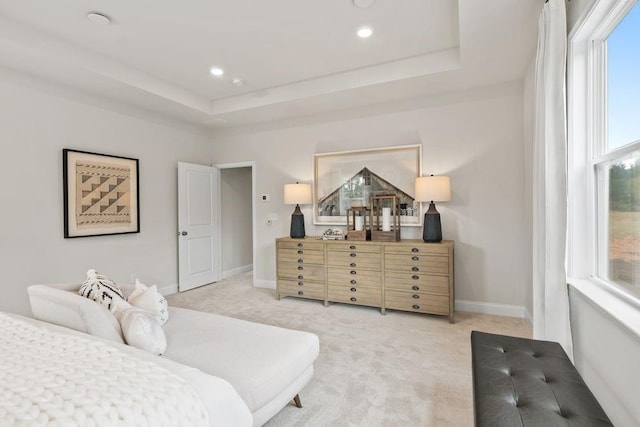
402	369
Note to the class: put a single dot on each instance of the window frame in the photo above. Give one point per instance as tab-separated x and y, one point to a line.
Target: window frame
587	145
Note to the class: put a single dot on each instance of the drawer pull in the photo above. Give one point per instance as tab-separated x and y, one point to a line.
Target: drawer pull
415	258
353	289
300	260
354	299
415	288
354	272
352	247
300	283
415	306
415	269
415	250
300	293
353	264
300	277
352	255
416	296
353	282
300	252
299	245
415	277
300	267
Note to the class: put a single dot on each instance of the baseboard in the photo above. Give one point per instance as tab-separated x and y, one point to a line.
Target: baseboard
168	289
269	284
491	308
528	316
239	270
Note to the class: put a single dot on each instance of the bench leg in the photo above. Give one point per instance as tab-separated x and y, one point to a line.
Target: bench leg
296	400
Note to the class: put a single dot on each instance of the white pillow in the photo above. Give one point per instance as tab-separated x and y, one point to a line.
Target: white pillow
140	329
100	288
150	300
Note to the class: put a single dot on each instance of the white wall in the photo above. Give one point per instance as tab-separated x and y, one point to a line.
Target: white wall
475	137
237	233
606	353
36	123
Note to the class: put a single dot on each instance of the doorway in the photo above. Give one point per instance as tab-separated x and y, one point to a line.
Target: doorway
237	224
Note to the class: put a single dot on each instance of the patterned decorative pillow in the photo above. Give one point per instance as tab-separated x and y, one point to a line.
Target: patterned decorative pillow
100	289
150	300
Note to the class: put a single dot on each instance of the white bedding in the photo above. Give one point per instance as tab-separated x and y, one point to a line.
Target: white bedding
50	375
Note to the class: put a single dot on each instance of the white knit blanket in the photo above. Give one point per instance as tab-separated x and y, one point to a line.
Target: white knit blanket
57	379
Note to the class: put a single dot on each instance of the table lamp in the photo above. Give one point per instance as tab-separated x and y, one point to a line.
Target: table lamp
432	189
297	194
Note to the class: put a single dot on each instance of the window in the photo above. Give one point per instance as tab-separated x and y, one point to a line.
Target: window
615	146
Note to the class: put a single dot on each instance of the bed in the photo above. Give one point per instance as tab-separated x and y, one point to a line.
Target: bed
51	375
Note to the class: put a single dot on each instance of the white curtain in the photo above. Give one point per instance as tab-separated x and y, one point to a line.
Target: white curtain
550	291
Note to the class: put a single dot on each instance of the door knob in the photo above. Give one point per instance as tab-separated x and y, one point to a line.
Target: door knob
184	233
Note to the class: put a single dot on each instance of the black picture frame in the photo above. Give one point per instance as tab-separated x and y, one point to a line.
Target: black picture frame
101	194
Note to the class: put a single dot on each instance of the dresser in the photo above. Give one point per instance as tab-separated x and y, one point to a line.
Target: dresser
409	275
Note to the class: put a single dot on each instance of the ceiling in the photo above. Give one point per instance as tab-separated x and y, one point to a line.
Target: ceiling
296	58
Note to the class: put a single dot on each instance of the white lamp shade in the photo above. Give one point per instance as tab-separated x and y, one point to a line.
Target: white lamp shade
433	188
297	194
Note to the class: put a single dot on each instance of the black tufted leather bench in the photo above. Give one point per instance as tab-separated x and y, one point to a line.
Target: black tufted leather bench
523	382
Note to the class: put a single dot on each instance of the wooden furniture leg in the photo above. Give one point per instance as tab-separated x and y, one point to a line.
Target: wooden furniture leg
296	400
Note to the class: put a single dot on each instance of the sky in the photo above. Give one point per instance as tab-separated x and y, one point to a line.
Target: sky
623	48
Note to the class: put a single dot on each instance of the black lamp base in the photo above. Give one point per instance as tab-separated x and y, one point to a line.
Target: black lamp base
432	229
297	224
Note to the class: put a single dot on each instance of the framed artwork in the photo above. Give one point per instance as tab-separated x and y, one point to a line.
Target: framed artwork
101	194
348	179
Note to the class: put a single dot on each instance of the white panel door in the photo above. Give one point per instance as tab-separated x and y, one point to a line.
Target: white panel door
198	239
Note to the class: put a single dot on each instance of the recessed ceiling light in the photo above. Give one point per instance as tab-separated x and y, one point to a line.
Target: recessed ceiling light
98	18
217	71
365	32
238	82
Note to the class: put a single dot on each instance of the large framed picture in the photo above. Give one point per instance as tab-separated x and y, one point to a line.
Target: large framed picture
101	194
349	178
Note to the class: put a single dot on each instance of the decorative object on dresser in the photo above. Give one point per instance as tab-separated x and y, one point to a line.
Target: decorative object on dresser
297	194
385	218
357	223
101	194
432	189
407	275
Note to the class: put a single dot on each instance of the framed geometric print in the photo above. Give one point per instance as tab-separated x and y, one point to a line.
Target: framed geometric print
101	194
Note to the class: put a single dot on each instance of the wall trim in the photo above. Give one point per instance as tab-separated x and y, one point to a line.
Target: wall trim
491	308
168	289
238	270
528	317
268	284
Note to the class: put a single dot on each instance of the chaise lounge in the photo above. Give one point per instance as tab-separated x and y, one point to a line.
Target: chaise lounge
268	366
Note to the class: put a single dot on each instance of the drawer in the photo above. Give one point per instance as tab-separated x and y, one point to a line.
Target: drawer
306	256
358	298
417	263
301	289
302	244
418	248
347	276
417	301
353	246
337	291
352	259
288	270
411	282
